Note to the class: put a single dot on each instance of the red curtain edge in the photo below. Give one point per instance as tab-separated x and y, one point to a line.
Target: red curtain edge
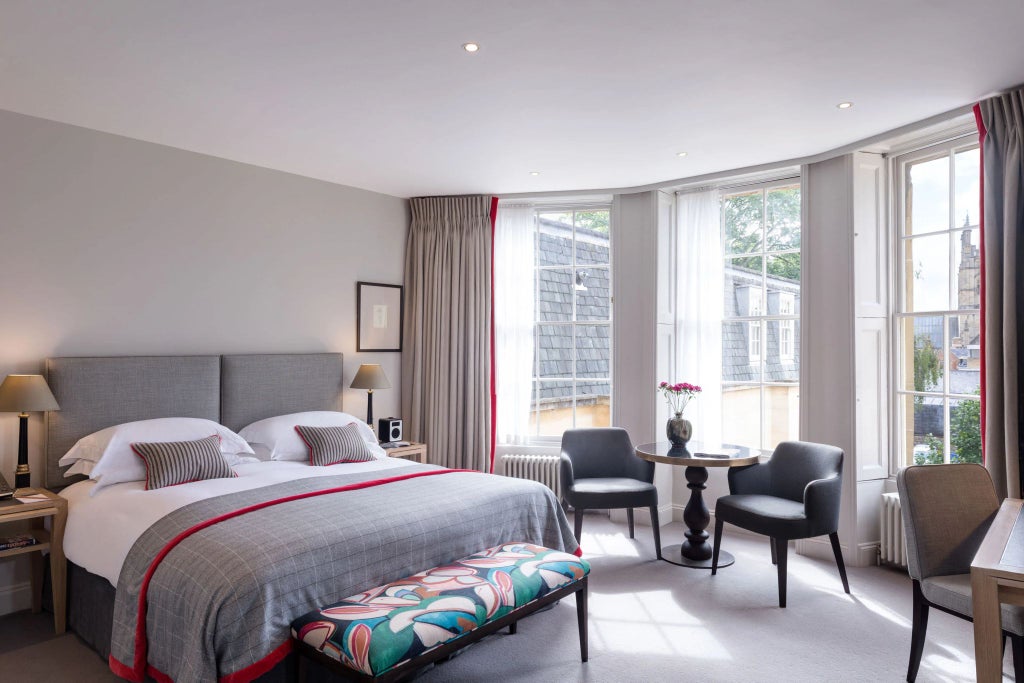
981	239
494	392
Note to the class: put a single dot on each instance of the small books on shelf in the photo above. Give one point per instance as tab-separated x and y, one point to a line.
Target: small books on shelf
19	541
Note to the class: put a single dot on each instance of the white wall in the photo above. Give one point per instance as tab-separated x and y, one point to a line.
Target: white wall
113	246
635	405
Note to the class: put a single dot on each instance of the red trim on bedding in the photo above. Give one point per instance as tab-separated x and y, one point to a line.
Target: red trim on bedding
578	552
137	671
257	669
981	247
494	391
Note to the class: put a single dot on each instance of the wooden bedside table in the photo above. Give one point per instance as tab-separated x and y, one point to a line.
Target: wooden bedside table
56	507
416	452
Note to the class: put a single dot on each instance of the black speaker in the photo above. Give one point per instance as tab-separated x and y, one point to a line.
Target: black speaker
389	429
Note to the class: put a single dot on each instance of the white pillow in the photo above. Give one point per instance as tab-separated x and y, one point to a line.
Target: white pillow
115	461
278	434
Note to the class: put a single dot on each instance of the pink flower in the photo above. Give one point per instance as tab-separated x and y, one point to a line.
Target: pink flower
663	384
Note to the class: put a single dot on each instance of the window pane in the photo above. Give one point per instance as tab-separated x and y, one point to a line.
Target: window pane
554	350
964	431
782	364
593	351
737	364
592	241
781	414
554	243
967	188
782	222
592	288
965	358
968	269
784	268
928	196
927	273
743	286
551	412
922	340
924	423
554	298
593	404
741	415
743	219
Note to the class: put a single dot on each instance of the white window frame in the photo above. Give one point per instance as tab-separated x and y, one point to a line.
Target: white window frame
763	319
550	440
899	168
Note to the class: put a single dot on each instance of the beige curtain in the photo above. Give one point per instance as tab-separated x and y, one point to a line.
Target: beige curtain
446	359
1001	125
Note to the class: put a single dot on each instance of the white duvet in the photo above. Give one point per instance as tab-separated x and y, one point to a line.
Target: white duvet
101	529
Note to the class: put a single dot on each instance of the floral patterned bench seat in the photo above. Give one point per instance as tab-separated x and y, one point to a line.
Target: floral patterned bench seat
387	631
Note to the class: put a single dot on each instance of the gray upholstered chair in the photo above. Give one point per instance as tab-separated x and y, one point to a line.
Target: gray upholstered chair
794	495
947	509
599	470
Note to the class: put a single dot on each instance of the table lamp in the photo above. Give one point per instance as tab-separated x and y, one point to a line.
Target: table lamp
370	376
23	394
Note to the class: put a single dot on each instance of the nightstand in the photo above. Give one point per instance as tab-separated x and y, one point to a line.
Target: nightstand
416	452
53	541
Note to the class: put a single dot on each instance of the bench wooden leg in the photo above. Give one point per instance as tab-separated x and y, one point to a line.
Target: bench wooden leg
513	627
581	617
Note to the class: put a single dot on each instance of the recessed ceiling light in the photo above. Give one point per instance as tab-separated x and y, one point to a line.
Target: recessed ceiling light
534	172
681	154
470	47
844	105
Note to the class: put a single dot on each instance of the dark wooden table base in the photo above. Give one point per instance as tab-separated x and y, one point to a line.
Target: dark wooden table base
674	555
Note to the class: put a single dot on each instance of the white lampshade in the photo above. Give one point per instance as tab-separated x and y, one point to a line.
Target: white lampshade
370	376
26	394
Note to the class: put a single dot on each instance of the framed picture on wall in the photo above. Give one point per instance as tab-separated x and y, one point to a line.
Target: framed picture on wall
379	316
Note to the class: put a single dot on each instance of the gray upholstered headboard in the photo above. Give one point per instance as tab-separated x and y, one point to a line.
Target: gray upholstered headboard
95	393
254	387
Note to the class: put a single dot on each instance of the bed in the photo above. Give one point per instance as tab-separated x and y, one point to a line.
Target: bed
209	574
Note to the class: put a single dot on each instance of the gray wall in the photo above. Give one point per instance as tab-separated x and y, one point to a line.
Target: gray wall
113	246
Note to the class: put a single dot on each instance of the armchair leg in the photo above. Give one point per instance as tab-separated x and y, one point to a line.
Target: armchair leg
629	519
578	522
834	537
917	633
718	545
657	533
1017	643
775	557
782	551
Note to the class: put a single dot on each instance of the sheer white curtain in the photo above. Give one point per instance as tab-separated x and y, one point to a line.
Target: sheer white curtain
699	304
513	320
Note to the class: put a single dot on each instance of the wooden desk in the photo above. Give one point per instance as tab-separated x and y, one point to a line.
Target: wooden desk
997	576
697	457
50	541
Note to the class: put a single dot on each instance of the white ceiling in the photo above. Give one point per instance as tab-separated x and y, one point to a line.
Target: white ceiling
593	94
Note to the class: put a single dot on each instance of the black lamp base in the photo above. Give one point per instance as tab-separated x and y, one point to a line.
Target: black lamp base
369	408
22	476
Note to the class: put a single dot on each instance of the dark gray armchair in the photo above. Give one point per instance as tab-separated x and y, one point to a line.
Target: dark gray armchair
794	495
599	470
947	509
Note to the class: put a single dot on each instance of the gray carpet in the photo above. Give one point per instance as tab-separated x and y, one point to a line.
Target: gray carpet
652	621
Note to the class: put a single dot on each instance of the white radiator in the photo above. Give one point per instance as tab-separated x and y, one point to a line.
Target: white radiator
542	468
894	546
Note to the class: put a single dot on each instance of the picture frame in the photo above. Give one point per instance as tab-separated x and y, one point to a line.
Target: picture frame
379	311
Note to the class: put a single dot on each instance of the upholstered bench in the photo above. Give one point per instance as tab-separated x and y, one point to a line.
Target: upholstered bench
389	631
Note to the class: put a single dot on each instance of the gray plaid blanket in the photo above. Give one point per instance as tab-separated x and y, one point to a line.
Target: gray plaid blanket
219	604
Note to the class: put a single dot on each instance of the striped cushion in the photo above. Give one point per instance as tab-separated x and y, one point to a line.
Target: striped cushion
331	445
178	462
